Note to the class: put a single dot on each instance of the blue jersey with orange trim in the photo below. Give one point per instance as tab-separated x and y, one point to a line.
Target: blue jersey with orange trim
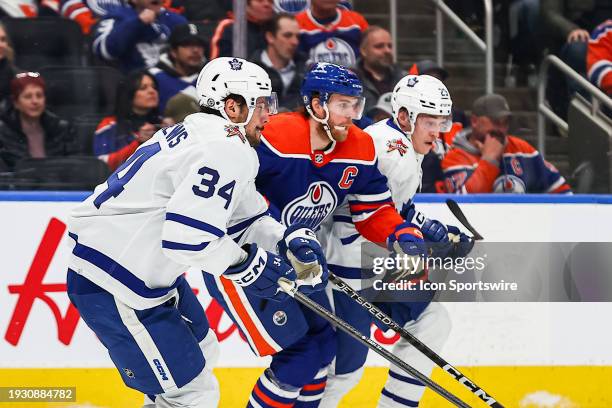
336	42
521	170
305	186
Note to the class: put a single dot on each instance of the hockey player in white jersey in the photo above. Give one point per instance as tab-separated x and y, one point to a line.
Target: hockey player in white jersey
180	201
421	110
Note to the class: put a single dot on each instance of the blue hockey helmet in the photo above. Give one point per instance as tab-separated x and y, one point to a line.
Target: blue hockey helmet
325	79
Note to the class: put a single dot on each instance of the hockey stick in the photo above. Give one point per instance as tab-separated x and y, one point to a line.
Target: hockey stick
292	291
416	343
458	213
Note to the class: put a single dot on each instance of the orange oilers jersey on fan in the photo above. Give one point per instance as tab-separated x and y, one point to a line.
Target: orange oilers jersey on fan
336	42
599	57
305	186
521	170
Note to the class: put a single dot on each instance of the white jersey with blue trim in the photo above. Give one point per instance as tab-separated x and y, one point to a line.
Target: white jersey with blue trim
185	198
401	165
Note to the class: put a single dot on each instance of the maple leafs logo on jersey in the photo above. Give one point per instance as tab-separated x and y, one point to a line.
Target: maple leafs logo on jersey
397	144
233	130
235	64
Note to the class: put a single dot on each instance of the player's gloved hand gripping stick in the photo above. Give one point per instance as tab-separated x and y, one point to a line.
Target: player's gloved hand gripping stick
259	272
301	249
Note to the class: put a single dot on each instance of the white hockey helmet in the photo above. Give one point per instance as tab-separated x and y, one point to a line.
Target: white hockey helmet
422	94
229	75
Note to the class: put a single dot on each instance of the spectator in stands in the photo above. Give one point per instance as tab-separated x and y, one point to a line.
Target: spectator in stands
566	26
178	108
29	8
485	159
382	109
136	119
87	12
282	62
329	33
376	68
133	36
178	69
259	13
7	69
28	129
599	57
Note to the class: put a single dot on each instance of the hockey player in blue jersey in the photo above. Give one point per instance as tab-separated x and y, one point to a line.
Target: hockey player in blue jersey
310	163
421	110
185	198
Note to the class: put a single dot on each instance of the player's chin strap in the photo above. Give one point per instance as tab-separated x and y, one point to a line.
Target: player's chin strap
322	121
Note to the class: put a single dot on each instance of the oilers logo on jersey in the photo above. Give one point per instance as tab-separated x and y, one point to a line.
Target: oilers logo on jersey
311	208
333	50
509	183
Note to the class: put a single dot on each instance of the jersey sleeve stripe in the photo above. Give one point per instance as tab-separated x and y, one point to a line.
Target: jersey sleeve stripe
184	247
371	197
363	208
343	218
117	271
244	224
350	239
197	224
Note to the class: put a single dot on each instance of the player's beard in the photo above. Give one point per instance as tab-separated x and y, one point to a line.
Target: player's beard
254	136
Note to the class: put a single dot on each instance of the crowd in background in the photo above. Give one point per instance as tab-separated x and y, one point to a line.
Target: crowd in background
158	47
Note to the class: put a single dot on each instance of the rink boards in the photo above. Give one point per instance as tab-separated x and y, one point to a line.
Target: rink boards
529	352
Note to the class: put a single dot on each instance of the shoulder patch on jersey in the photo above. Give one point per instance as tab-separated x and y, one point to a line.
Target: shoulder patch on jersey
397	145
233	130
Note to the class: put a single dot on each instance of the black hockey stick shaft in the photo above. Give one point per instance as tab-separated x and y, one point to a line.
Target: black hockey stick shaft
458	213
292	291
416	343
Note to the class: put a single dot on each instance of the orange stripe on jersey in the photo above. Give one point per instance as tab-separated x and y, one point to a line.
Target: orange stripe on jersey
516	145
263	347
364	207
411	231
107	121
358	145
561	189
379	225
314	387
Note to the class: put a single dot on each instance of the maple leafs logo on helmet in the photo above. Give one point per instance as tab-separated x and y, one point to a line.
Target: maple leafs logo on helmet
235	64
412	82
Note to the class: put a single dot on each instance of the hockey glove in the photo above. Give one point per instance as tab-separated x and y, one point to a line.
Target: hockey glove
300	248
461	244
408	248
259	273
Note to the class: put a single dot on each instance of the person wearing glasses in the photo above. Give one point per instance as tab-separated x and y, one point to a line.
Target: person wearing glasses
28	128
136	119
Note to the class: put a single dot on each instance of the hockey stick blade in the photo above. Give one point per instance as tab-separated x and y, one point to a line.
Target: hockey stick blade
416	343
458	213
289	287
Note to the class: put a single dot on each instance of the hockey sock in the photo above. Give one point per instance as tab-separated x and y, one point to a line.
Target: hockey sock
311	394
269	393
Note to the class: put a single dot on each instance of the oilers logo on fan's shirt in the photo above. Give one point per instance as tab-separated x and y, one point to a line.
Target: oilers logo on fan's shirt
333	50
509	184
311	208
